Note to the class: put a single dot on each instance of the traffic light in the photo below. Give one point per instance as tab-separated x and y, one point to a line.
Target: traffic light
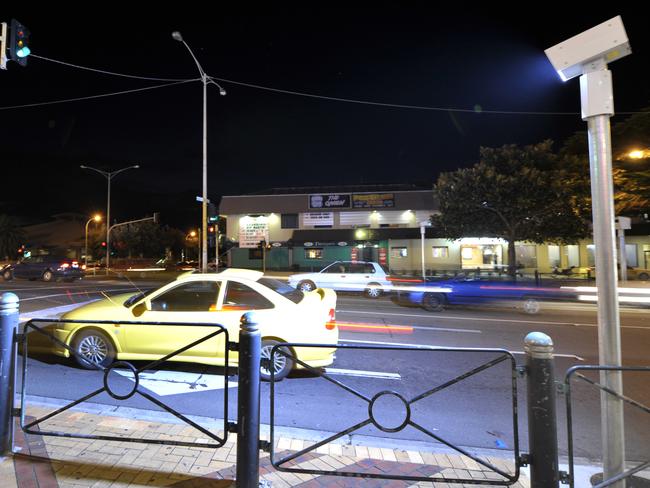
103	243
19	43
262	244
213	216
156	217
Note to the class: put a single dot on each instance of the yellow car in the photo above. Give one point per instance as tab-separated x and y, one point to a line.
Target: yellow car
285	315
638	274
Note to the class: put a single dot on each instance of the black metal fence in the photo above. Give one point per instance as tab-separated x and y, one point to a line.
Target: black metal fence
577	373
22	343
407	403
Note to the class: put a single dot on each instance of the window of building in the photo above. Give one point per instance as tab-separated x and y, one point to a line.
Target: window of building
554	256
398	252
314	253
440	252
526	256
631	255
289	221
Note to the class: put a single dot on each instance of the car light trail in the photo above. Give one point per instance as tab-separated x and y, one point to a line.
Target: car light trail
379	328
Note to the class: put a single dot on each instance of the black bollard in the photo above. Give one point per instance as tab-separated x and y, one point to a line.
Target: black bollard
248	403
8	328
542	419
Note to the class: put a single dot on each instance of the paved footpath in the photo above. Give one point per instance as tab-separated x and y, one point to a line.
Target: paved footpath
48	462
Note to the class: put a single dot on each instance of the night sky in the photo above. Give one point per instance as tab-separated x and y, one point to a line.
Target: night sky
463	63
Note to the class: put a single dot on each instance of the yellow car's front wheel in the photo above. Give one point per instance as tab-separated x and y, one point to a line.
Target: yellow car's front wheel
93	348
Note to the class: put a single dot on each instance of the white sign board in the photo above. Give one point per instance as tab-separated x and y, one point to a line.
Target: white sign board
252	230
318	218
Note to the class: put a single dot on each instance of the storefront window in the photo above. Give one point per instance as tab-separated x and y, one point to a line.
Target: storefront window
289	221
314	253
554	256
398	252
440	251
526	256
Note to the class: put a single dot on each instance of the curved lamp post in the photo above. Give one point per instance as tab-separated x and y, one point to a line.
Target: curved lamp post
204	202
109	175
96	218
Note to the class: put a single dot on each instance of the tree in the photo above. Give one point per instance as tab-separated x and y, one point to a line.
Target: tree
631	177
11	236
513	193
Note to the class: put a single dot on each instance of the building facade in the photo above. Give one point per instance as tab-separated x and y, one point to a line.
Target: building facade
308	228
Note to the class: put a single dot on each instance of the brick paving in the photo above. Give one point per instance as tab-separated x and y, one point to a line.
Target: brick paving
43	461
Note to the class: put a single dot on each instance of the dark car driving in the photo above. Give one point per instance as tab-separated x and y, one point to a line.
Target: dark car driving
434	296
44	267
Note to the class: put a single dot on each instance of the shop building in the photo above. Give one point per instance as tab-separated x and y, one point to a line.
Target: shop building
308	228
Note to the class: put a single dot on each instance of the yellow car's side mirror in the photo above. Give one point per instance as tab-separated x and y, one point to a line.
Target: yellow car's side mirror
139	309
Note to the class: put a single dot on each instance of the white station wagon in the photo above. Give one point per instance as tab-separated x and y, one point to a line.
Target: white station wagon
368	277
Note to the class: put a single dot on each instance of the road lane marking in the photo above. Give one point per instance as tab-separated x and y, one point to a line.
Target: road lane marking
164	383
486	319
446	329
363	374
427	346
77	293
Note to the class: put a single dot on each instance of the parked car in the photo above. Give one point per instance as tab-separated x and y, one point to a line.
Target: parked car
434	296
285	315
638	274
368	277
44	267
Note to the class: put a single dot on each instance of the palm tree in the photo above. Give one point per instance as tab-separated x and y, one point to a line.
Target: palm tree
11	236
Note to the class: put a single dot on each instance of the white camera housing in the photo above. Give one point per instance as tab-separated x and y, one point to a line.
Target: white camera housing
607	41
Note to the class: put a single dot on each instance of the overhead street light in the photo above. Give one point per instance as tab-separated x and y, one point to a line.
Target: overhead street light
586	55
109	175
204	202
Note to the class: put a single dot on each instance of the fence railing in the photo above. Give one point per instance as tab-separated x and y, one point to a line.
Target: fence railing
576	372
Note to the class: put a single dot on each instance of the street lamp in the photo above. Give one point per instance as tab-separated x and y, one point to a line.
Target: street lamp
204	202
96	218
109	175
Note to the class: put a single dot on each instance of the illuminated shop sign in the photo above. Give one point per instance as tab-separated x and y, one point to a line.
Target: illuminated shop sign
329	200
373	200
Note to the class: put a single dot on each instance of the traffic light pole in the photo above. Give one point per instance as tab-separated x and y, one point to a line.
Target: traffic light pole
3	45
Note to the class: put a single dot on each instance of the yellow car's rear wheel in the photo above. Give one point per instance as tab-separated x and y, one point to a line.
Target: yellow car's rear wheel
282	364
93	348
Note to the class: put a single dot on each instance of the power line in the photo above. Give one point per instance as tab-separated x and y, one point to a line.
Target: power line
390	105
103	95
286	92
112	73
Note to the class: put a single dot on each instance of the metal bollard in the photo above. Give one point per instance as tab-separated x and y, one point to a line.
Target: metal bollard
542	419
8	328
248	403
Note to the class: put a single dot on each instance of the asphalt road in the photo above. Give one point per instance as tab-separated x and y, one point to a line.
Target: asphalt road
475	412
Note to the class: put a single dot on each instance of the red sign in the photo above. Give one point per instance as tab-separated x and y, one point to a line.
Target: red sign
382	255
354	254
